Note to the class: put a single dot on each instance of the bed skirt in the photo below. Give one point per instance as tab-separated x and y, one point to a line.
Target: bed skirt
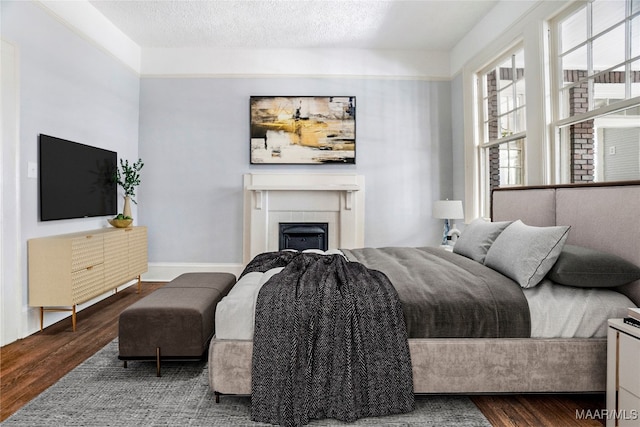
460	365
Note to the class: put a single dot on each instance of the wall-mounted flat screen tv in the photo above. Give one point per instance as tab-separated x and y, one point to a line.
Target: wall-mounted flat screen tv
76	180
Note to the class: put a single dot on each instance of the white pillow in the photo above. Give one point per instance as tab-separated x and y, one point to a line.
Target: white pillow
526	253
477	238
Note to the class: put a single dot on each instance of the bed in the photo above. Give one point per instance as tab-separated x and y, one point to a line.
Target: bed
601	217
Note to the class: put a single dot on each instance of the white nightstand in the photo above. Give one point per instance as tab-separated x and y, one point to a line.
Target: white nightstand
623	374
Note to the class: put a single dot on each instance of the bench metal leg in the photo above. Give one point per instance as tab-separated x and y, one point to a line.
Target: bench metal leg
158	362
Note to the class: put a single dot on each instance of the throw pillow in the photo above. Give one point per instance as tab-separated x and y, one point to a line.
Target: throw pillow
477	238
589	268
526	253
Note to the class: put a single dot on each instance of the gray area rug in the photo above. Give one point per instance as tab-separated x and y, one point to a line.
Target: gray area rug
101	392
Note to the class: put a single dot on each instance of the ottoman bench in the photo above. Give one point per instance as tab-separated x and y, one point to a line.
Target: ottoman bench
176	322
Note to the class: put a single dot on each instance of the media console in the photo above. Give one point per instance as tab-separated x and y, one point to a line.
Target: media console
70	269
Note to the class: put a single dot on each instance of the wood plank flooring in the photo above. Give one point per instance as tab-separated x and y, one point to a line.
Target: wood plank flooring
30	365
544	410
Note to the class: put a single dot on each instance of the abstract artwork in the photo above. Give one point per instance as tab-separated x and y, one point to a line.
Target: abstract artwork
303	129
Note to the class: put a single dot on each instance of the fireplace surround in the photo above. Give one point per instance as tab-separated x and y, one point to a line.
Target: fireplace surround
274	198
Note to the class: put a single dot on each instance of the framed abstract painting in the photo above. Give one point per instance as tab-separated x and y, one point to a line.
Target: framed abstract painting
303	129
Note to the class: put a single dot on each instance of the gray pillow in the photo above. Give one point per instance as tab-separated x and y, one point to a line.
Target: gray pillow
525	253
477	238
589	268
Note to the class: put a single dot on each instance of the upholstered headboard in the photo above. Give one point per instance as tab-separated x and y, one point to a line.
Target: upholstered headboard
605	217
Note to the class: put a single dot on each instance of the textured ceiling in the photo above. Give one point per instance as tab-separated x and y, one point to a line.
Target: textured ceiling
358	24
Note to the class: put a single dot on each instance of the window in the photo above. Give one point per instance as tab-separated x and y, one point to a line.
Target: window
604	148
502	112
597	77
578	120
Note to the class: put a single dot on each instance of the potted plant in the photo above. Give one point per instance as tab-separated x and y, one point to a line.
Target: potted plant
128	177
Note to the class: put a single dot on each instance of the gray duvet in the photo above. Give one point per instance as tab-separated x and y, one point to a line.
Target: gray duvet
445	295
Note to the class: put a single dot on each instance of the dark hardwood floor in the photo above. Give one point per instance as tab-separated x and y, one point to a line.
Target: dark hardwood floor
30	365
544	410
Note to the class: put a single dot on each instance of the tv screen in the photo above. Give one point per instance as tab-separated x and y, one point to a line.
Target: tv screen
76	180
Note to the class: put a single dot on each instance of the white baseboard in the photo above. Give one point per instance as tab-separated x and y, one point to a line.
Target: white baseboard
167	271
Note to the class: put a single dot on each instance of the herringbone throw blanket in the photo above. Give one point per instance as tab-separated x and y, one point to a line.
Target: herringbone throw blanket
330	342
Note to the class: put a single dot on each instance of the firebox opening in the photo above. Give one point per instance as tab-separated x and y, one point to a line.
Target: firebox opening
304	235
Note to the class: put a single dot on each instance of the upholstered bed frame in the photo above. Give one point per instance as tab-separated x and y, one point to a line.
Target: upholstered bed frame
603	217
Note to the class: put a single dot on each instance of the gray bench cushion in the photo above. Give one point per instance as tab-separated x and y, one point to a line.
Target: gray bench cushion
222	282
177	318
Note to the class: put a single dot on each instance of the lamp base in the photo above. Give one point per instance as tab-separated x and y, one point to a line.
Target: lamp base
445	232
453	235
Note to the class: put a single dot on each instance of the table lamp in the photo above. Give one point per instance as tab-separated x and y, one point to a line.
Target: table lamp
447	210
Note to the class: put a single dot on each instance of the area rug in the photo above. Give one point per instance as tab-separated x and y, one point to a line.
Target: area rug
101	392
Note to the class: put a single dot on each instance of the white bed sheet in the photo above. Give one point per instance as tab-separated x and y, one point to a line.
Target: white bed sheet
557	311
235	313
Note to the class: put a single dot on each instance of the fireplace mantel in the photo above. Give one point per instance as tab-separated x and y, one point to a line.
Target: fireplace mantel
337	199
347	188
294	187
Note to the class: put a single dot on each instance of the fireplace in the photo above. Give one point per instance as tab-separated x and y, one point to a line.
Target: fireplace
271	199
304	235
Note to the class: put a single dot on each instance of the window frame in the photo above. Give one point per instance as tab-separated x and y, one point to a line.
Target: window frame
484	142
560	125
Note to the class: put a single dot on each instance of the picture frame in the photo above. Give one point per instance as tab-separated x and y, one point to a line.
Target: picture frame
303	129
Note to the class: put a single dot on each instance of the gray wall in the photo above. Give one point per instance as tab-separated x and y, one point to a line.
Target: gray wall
194	139
70	89
193	134
457	134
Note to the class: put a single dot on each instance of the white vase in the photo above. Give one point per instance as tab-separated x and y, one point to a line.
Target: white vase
126	210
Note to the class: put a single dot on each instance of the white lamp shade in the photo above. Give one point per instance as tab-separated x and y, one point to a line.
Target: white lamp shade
448	209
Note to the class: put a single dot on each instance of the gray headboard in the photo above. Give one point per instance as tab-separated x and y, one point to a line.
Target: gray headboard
605	217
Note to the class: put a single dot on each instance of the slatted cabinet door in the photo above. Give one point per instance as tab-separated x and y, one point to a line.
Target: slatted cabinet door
62	269
87	267
116	259
138	261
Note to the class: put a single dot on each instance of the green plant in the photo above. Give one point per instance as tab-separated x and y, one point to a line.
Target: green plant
128	177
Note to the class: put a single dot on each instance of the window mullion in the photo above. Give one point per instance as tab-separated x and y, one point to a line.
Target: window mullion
627	51
590	81
510	138
618	106
514	91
